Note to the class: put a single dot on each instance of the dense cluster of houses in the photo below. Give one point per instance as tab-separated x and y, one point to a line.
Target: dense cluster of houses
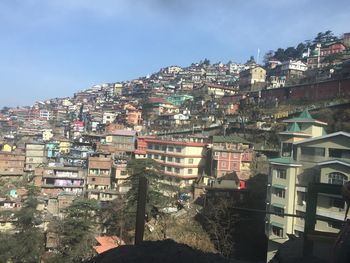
81	145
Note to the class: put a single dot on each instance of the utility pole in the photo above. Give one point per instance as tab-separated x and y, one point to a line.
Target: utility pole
141	210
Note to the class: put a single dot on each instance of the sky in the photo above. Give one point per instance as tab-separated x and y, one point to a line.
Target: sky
53	48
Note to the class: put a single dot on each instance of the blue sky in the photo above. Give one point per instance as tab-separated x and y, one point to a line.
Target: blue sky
53	48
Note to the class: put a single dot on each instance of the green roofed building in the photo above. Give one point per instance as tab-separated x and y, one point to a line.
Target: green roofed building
308	155
178	100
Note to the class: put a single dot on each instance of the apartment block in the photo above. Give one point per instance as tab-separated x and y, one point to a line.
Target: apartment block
308	155
230	154
181	161
35	155
57	180
123	140
12	163
100	182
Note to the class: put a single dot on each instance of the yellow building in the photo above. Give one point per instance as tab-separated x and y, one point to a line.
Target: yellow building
252	79
181	161
64	146
47	135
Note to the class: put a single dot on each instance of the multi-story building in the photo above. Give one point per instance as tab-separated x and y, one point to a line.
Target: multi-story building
35	155
58	179
209	90
100	182
308	155
141	149
123	140
12	163
230	154
252	79
181	161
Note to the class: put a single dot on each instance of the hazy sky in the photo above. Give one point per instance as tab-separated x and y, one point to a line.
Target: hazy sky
53	48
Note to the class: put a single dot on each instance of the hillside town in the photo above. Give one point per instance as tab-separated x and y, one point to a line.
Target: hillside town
212	129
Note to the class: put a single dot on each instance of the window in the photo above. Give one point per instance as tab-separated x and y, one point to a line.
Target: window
156	147
178	149
301	198
312	151
163	147
281	173
280	192
216	153
170	149
177	160
169	169
149	156
298	233
224	155
150	146
277	231
190	171
234	155
278	210
339	153
190	160
177	170
93	179
123	173
170	159
335	224
156	156
337	202
162	158
337	178
223	164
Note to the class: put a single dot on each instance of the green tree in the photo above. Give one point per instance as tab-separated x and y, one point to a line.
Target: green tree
159	194
29	238
77	231
268	56
325	37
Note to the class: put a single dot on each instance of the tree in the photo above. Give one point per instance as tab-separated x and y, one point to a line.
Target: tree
111	217
29	238
268	56
220	221
76	231
206	62
159	194
325	37
251	60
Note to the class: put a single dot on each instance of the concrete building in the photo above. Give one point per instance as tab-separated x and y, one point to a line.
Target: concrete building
252	79
57	180
100	183
123	140
209	90
12	163
308	155
35	155
230	154
181	161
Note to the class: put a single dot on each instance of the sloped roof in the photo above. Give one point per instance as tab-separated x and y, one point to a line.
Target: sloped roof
107	243
284	161
346	134
305	117
336	161
294	127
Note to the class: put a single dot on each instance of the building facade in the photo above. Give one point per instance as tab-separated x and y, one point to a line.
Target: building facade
308	155
181	161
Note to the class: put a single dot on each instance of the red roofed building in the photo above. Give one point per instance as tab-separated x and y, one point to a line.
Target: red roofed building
107	243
